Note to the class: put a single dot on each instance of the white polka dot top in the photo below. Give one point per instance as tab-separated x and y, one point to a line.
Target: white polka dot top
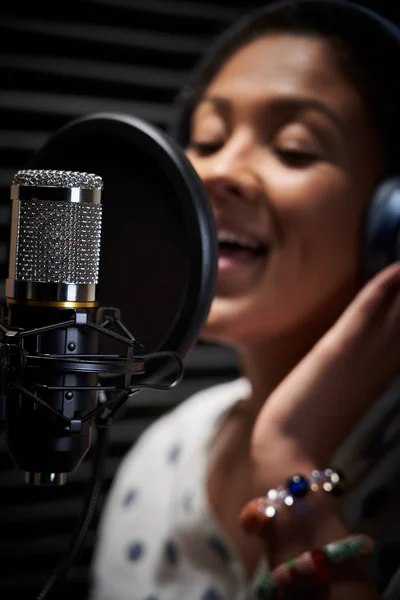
157	538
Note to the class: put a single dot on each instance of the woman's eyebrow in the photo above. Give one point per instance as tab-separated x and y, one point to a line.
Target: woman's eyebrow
224	105
292	103
295	103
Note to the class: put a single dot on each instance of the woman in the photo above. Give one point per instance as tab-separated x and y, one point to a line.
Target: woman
290	124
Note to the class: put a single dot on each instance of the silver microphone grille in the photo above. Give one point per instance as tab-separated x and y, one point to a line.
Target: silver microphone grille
49	178
58	242
58	227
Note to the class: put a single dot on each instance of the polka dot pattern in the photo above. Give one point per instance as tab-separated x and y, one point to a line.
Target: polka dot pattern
135	551
219	548
187	501
171	553
174	453
212	594
130	497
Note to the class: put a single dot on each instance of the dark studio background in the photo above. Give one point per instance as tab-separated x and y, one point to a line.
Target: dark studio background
59	61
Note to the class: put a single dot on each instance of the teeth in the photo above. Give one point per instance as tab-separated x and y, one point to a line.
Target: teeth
233	238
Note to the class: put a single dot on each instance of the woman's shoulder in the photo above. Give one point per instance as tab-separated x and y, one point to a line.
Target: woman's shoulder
211	401
200	409
189	424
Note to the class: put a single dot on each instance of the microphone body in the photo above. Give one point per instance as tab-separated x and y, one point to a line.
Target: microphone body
51	294
35	438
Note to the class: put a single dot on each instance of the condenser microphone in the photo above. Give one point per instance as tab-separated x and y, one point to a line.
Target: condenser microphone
156	268
50	293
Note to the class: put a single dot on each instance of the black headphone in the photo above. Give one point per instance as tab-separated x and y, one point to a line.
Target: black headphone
380	240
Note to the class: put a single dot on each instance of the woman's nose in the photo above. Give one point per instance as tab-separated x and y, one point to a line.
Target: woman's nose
228	177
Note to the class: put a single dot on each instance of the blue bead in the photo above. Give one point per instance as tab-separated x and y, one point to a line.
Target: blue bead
135	551
298	486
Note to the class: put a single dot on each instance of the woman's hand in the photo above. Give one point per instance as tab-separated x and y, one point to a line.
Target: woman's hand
318	404
314	409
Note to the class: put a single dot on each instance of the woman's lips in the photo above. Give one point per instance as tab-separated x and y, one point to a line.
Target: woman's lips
232	259
239	265
242	255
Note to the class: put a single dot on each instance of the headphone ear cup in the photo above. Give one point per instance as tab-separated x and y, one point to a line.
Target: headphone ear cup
381	233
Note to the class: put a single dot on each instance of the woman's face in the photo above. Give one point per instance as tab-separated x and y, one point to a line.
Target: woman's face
288	156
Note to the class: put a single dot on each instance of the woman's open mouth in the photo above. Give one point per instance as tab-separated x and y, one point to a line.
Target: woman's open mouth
237	251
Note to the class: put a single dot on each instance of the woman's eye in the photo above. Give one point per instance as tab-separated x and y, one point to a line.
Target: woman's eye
204	149
296	158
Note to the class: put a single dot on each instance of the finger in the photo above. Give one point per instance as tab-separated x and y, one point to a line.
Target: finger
369	310
380	290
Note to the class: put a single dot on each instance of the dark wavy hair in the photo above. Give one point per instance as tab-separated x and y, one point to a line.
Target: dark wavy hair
367	48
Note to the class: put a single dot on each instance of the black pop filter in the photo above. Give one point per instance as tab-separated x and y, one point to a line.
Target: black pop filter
159	248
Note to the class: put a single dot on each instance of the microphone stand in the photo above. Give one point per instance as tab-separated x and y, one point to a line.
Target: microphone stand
14	361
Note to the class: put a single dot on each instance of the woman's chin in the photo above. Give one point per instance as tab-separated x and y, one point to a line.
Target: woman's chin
227	320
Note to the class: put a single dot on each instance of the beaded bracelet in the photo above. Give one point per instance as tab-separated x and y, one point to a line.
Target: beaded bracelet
257	513
313	565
